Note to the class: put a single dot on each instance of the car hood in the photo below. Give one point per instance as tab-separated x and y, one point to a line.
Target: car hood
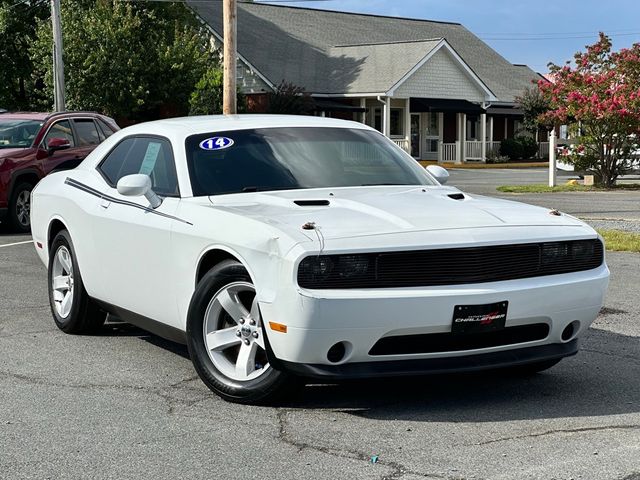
364	211
10	152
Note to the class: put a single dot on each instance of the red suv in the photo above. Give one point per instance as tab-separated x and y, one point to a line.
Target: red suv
35	144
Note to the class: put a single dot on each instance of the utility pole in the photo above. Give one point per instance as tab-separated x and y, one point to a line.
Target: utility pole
229	13
58	65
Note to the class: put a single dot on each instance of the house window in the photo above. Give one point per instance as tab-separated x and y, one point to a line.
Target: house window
396	126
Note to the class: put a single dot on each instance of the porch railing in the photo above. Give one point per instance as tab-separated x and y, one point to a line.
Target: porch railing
473	150
493	147
449	151
403	143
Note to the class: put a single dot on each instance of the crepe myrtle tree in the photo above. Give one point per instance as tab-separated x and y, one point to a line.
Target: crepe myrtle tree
599	98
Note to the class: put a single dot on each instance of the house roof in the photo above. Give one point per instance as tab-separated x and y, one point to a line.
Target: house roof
336	52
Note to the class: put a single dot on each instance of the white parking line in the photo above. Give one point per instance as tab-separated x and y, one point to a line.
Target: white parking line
16	243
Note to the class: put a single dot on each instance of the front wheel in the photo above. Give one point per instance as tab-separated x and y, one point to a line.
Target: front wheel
72	308
226	338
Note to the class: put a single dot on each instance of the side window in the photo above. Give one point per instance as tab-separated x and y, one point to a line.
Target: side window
148	155
87	132
61	129
106	130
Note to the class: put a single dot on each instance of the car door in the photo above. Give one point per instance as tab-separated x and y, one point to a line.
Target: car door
132	239
61	159
87	136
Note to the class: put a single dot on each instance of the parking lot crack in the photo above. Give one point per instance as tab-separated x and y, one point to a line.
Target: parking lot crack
397	470
555	432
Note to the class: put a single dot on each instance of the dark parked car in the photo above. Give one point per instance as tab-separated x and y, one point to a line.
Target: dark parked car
35	144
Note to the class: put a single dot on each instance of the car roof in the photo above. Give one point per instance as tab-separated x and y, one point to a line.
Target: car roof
217	123
45	115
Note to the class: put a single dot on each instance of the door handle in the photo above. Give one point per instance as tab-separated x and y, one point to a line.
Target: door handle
104	203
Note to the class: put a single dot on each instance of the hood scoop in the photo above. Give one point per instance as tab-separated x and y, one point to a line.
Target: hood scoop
312	203
456	196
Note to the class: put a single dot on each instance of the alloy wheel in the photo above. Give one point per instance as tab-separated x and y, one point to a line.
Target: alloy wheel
23	208
62	282
233	333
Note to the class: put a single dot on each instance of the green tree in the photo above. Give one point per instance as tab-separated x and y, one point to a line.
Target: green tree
134	61
599	98
533	103
18	19
290	99
206	99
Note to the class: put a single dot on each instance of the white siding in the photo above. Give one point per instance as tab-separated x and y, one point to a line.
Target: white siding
441	77
249	81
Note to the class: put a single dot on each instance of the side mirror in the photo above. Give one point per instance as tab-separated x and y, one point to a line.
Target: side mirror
138	185
54	144
439	173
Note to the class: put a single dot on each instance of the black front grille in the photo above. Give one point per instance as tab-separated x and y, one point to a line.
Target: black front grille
448	342
451	266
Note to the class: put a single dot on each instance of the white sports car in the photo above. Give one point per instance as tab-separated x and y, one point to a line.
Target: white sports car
280	248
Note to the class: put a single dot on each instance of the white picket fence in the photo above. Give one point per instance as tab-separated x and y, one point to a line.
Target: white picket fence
449	151
403	143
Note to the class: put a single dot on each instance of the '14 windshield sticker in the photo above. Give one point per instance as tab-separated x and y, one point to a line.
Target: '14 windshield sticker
216	143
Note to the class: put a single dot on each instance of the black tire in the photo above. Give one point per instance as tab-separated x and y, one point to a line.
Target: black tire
20	208
84	315
533	368
266	388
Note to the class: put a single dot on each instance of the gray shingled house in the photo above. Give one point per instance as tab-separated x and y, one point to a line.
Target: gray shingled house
433	87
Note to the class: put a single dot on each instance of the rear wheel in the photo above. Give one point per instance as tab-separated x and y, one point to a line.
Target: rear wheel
226	338
20	207
72	308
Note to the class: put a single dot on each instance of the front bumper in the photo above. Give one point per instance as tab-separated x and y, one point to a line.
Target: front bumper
317	320
428	366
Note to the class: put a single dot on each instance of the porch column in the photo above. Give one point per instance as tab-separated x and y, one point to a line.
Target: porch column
407	124
506	121
363	115
463	143
458	135
386	117
491	129
440	135
483	135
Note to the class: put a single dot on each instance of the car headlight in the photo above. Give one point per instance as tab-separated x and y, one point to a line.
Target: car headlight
322	270
558	252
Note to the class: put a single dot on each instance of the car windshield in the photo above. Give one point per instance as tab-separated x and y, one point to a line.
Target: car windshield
295	158
16	133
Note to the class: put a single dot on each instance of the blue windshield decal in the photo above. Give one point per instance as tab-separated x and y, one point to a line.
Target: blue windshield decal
216	143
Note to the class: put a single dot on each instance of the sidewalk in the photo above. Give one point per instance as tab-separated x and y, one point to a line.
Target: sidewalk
479	165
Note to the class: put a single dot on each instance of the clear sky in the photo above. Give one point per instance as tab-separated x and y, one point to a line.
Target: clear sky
531	32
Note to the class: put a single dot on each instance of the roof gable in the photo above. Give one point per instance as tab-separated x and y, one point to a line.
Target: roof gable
300	45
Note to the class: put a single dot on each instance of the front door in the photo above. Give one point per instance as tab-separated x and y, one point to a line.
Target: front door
415	135
133	239
432	136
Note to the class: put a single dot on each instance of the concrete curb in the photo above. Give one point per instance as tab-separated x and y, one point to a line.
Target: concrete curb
450	165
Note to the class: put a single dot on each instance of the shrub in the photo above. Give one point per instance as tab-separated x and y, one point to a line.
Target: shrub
512	148
529	147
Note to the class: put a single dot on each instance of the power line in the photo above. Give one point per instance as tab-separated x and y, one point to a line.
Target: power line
559	37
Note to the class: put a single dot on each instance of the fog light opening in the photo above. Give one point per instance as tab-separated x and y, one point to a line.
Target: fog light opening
570	331
337	352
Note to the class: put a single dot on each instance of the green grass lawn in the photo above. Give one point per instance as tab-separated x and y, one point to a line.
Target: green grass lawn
620	241
541	188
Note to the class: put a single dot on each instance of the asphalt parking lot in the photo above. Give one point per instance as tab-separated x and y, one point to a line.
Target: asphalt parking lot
126	404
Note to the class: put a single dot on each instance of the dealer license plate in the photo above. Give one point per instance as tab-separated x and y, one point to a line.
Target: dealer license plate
479	318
